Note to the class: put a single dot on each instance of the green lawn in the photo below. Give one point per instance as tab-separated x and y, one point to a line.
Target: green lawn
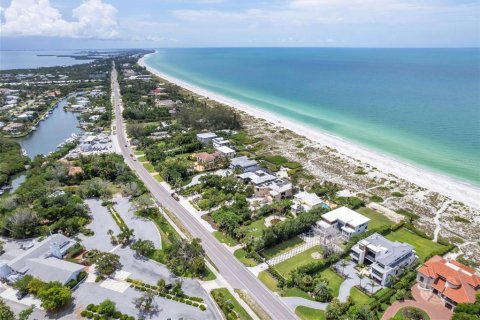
403	313
423	247
159	178
296	292
377	219
334	280
139	153
294	262
149	167
240	254
209	276
268	280
306	313
141	159
282	247
255	228
243	315
223	238
359	298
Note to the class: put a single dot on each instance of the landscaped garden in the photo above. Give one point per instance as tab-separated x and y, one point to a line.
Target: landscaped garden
306	313
334	280
303	258
411	313
229	305
241	255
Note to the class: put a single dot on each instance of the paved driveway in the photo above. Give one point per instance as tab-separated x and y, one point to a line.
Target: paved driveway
144	228
351	281
102	222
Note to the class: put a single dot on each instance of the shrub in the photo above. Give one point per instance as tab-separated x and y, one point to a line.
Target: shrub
90	307
124	317
89	315
189	302
117	315
83	313
202	307
195	304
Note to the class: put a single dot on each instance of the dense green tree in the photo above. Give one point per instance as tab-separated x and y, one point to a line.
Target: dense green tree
143	247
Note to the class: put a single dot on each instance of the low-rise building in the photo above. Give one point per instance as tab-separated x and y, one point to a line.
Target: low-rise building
206	137
305	201
44	260
385	258
449	279
220	141
345	220
13	128
226	152
275	190
256	177
244	164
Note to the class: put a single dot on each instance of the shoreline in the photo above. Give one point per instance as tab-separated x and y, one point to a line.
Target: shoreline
458	190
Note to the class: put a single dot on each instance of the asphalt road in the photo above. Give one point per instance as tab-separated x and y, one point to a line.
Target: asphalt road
229	267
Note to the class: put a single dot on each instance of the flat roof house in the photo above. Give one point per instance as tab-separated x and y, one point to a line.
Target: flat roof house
257	177
345	220
275	190
452	281
45	261
385	258
244	164
226	151
305	201
206	137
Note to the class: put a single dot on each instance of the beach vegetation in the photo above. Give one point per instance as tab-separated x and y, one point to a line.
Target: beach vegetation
376	198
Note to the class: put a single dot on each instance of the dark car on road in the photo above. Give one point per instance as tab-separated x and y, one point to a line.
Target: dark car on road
175	196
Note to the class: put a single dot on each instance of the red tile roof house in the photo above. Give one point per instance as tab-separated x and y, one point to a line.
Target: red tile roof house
205	160
452	281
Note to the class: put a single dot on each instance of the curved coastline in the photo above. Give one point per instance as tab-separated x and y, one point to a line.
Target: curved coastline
446	185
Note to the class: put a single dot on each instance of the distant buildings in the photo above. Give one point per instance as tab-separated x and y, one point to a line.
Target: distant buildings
345	220
13	128
452	281
44	261
384	257
305	201
206	137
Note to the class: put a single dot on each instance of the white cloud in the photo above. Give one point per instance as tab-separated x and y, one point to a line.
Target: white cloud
92	19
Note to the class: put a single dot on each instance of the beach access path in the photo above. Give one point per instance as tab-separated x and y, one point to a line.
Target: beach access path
235	273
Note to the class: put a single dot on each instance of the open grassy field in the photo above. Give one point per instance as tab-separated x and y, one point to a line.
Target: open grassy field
240	254
300	259
223	238
424	247
334	280
269	281
149	167
359	298
306	313
256	228
237	307
377	219
282	247
295	292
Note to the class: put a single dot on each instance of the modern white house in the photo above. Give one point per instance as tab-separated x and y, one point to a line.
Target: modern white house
345	220
305	201
256	177
206	137
385	258
226	152
43	260
275	190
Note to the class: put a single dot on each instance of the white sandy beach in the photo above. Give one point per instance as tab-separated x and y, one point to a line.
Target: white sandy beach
447	186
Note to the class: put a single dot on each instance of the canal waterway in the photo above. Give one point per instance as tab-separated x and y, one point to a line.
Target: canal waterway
51	131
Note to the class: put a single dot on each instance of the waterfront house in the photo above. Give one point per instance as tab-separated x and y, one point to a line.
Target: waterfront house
384	258
226	152
449	279
206	137
256	177
220	142
274	190
43	260
13	128
305	201
165	103
344	220
244	164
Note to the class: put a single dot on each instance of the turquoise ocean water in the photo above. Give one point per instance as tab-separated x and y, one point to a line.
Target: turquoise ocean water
418	105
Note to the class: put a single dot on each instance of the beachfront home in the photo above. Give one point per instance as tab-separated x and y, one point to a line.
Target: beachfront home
256	177
226	152
220	142
305	201
244	164
43	260
165	103
384	257
206	137
451	280
274	190
344	220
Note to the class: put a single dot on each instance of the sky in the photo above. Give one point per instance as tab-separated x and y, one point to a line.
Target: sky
80	24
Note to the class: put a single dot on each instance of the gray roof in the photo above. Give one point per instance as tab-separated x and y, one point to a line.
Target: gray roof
243	162
390	252
206	135
52	269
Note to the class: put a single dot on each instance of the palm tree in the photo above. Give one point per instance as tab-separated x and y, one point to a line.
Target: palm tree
321	291
360	277
343	264
371	283
392	279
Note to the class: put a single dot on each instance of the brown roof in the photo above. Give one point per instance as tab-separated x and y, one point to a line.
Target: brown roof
464	282
75	170
206	157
